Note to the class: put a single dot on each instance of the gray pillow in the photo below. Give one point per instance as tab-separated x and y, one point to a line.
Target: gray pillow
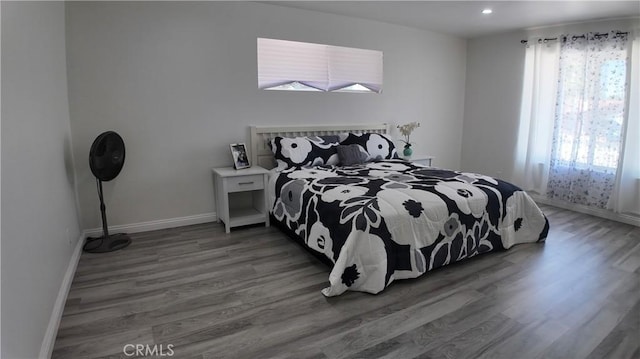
351	155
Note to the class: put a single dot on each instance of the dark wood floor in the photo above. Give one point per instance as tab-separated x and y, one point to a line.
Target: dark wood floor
256	294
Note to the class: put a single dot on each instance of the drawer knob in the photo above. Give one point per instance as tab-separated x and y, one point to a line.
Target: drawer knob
243	183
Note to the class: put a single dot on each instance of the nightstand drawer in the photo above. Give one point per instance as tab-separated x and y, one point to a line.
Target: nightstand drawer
245	183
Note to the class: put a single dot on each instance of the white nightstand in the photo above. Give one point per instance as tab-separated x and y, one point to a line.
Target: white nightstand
241	196
424	160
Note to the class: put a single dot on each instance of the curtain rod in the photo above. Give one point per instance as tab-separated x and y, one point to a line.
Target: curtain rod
575	37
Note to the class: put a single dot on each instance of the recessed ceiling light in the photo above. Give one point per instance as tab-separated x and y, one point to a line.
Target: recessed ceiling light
487	11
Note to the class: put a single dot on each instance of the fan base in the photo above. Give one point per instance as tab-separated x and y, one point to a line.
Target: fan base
108	244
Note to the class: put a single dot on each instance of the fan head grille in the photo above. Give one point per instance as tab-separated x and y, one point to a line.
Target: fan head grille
106	156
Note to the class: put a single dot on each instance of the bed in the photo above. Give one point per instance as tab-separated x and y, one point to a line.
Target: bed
380	218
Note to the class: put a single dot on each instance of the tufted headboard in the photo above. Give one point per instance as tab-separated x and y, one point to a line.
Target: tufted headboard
261	154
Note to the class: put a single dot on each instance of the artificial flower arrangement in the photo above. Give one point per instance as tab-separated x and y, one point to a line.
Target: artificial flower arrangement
406	130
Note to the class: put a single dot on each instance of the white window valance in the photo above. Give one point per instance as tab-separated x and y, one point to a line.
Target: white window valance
322	67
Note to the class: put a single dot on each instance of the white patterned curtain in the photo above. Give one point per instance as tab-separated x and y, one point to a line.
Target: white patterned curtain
589	118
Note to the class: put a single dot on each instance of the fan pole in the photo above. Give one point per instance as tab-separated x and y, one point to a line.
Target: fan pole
105	243
103	211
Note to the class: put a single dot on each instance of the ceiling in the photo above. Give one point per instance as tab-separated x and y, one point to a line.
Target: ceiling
464	18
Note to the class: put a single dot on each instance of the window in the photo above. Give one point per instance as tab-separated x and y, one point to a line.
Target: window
301	66
591	105
576	141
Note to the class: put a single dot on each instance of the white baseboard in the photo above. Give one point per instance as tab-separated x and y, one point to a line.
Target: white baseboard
58	308
155	225
602	213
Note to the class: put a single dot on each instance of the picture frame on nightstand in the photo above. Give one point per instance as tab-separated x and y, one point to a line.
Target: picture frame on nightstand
240	156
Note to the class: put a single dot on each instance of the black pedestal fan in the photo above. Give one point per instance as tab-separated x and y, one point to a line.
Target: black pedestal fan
106	159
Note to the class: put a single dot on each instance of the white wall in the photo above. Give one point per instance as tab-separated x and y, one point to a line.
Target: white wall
495	67
39	221
178	82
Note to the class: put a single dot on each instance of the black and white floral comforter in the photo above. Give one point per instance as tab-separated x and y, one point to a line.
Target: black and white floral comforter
382	221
